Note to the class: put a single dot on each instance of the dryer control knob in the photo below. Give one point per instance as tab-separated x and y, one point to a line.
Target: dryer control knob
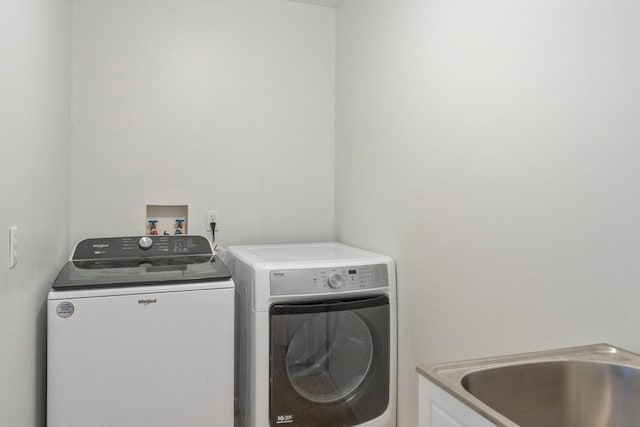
335	281
145	242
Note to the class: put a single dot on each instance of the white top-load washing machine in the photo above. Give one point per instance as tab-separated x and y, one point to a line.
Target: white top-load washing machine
316	335
140	333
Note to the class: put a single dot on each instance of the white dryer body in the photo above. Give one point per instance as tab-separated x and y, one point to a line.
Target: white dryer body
316	335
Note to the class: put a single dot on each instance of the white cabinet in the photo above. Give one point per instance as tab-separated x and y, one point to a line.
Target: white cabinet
437	408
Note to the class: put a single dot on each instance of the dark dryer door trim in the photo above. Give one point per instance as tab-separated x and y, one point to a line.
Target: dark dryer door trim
329	362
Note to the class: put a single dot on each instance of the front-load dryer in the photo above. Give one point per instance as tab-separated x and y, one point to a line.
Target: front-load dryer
316	335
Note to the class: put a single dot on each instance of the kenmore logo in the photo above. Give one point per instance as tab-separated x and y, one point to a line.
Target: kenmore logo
278	274
147	301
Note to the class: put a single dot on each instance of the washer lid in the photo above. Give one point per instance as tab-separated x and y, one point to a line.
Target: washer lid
123	261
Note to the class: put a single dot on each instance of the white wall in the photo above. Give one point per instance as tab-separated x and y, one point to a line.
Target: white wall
225	104
35	42
492	148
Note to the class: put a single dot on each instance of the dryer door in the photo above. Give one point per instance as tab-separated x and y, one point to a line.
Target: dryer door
329	362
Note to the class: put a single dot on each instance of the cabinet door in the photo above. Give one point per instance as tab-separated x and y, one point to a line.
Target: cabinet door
437	408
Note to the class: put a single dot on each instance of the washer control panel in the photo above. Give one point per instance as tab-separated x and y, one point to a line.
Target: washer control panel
141	247
328	280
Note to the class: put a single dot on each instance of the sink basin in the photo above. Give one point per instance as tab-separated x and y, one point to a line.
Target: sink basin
564	393
588	386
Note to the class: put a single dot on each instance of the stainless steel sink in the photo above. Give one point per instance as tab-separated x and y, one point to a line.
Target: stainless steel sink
589	386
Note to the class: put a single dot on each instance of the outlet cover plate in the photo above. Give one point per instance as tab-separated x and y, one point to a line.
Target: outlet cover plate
212	216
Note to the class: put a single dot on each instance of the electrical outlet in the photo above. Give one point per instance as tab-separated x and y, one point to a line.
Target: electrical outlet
212	216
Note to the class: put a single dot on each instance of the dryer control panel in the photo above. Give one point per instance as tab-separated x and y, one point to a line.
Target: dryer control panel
328	280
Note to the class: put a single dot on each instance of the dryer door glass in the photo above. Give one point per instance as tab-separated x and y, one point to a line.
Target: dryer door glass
329	356
329	361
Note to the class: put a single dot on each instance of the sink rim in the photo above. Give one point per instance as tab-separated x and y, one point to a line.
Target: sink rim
448	376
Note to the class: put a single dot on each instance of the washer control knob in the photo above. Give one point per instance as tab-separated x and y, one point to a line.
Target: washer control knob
335	281
145	242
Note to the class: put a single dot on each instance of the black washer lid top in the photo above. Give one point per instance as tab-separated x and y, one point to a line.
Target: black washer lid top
130	261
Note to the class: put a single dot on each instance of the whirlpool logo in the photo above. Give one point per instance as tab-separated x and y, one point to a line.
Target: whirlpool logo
147	301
